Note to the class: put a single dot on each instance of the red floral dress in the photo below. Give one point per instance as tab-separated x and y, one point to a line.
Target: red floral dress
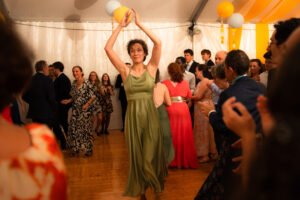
37	173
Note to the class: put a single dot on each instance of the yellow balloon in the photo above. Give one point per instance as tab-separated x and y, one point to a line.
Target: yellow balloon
225	9
120	12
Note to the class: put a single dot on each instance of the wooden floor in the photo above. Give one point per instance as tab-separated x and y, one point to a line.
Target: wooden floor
104	174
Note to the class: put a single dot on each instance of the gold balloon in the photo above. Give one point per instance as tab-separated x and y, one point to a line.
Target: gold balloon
225	9
120	12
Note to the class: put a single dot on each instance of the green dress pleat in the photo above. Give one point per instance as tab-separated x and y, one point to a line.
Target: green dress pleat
166	132
143	136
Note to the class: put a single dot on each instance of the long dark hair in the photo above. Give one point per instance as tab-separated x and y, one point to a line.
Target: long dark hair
108	81
97	81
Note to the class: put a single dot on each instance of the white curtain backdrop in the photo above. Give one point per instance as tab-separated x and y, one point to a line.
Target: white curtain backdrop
83	44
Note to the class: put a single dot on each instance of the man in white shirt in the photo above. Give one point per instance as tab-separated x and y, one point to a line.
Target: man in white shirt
188	76
190	63
263	77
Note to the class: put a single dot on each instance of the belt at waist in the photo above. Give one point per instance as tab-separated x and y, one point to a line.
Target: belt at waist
141	95
178	99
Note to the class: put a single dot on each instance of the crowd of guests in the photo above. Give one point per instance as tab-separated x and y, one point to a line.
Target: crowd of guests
50	98
202	112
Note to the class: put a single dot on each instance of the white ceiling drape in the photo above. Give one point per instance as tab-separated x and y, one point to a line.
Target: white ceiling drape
83	44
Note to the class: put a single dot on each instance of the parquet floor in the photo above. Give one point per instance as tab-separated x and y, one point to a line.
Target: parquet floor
104	174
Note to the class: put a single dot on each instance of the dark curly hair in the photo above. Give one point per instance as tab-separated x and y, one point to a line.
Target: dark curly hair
15	64
175	72
282	101
285	28
238	61
138	41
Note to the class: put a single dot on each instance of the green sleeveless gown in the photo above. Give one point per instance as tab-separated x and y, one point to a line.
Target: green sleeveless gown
147	166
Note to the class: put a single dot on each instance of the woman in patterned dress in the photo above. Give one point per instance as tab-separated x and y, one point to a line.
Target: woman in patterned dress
96	107
142	129
80	133
203	132
106	91
31	163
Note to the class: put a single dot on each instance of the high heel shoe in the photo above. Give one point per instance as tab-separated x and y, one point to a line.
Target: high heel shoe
204	159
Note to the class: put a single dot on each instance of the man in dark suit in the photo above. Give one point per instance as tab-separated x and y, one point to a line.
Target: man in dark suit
190	63
122	96
41	96
191	67
222	179
62	87
206	57
41	99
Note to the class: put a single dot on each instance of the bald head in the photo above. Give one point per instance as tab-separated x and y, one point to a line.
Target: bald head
220	57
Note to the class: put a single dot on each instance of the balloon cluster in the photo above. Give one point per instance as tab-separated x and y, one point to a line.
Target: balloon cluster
225	10
115	9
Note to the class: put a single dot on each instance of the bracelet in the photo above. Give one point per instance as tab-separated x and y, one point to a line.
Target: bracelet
212	111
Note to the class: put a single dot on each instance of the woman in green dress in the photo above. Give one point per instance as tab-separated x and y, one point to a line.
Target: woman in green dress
142	129
162	99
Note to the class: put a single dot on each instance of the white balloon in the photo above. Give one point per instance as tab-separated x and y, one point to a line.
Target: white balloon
111	6
236	20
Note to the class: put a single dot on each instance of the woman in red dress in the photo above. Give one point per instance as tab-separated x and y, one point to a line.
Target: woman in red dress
180	119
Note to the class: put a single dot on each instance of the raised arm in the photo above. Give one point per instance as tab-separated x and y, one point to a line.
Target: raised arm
112	55
156	51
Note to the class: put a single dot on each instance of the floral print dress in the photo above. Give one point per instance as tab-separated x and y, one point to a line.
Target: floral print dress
38	172
80	133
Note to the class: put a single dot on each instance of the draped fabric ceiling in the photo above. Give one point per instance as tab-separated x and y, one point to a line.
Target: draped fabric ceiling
262	13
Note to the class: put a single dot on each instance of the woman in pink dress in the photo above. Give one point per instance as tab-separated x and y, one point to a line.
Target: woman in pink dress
31	164
180	119
203	132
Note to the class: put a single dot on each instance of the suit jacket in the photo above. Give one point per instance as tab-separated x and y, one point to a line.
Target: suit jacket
62	87
246	91
210	63
193	67
41	98
207	73
119	84
193	70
